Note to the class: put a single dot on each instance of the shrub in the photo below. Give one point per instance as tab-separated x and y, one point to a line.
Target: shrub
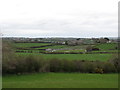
89	48
29	64
55	65
109	68
45	67
69	66
88	67
99	70
116	63
8	64
78	65
22	64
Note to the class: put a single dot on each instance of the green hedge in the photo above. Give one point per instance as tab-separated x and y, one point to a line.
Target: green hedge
32	64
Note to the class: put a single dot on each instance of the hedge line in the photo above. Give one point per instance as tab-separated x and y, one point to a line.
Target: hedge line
31	64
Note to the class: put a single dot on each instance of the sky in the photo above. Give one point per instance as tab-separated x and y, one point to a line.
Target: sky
59	18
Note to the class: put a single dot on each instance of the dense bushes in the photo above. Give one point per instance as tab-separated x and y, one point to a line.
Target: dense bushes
22	64
116	62
31	64
28	64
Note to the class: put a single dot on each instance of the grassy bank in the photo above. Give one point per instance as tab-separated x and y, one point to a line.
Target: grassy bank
61	80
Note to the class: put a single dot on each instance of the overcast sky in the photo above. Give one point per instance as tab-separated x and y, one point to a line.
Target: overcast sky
59	18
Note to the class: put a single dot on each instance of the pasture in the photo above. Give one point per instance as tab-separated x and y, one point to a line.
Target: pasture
80	48
90	57
61	80
106	46
30	44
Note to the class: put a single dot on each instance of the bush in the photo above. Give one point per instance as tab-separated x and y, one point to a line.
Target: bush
22	64
109	67
68	66
55	65
31	64
87	67
116	62
99	70
8	64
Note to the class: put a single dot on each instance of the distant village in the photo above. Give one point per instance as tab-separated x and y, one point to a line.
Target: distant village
67	41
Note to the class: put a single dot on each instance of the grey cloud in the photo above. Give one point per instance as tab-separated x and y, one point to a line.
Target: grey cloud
96	25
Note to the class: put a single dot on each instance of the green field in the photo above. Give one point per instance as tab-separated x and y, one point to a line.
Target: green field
91	57
107	51
24	45
106	46
54	47
78	48
61	80
70	50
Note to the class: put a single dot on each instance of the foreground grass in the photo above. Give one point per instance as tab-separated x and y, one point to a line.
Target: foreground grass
61	80
90	57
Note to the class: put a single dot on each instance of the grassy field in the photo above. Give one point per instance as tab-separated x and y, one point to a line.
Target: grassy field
79	48
91	57
107	51
70	50
23	45
54	47
61	80
101	46
106	46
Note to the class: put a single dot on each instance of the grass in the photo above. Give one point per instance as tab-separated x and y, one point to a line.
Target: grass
27	45
65	46
61	80
91	57
106	46
54	47
70	51
80	48
24	45
106	51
